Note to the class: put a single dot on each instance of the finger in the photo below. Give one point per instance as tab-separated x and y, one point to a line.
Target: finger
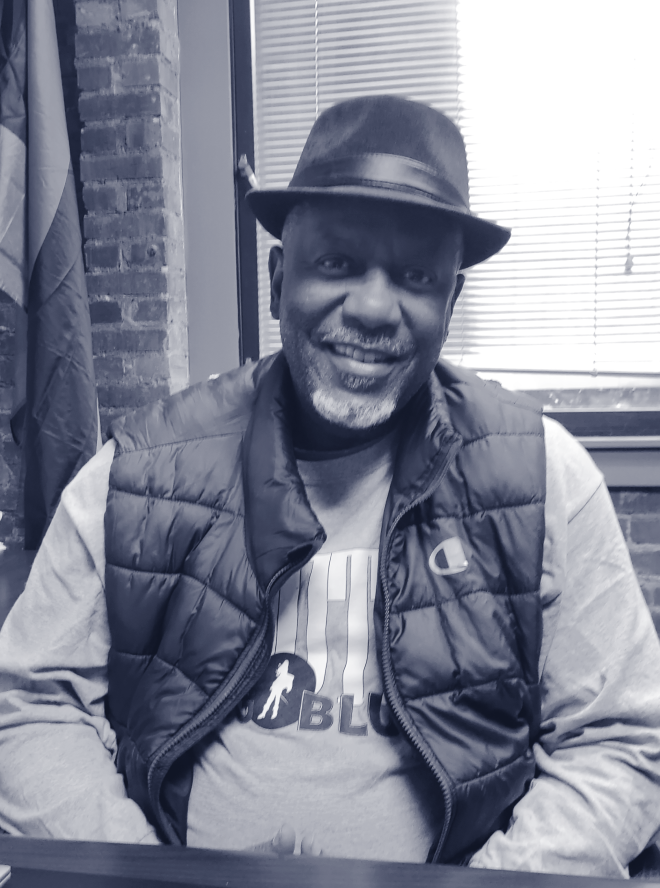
310	846
285	841
282	844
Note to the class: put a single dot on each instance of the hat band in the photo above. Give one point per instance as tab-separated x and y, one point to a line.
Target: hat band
390	172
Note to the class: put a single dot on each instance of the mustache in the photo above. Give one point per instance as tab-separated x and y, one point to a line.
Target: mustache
348	336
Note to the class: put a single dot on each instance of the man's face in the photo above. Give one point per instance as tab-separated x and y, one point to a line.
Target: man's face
364	291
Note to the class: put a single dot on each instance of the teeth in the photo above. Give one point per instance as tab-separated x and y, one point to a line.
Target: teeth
356	354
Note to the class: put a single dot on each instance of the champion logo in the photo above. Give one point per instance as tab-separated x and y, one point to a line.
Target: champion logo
448	558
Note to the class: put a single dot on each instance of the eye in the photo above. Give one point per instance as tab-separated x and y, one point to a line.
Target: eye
418	277
334	265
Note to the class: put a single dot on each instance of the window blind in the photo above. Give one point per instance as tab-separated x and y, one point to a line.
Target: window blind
558	113
555	102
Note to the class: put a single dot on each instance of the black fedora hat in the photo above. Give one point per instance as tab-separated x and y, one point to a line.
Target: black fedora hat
384	148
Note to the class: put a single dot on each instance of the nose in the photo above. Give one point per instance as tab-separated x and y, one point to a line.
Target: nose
372	301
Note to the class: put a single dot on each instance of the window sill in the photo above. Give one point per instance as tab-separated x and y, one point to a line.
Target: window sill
621	424
635	467
624	444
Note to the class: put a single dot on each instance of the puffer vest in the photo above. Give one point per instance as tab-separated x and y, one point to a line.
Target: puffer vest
207	516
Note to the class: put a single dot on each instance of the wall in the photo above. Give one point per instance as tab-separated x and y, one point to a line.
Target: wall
127	56
639	515
208	187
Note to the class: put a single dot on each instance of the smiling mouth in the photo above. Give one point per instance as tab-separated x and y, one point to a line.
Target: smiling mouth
363	355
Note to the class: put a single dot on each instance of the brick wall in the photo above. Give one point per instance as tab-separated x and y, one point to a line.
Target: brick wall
127	56
639	515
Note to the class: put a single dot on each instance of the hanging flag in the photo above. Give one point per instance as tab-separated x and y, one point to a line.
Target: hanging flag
55	417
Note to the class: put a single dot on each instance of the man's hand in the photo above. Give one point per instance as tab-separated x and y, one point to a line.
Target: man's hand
285	843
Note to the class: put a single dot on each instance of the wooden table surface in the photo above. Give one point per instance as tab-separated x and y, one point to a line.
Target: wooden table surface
46	863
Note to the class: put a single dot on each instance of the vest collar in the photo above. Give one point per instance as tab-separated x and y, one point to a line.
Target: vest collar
429	435
281	528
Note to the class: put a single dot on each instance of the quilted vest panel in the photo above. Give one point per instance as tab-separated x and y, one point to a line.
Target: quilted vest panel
464	647
206	511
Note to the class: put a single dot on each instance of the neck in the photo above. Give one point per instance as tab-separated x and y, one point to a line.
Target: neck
311	432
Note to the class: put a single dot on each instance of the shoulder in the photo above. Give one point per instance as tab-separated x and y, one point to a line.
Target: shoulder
571	473
187	447
480	407
81	512
220	407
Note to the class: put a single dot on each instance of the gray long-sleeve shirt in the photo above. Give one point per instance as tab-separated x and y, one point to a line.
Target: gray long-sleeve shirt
594	804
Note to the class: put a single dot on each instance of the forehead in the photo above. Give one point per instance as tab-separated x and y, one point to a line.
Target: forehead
357	223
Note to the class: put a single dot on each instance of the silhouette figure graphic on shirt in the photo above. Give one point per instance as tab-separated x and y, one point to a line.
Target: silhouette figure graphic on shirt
283	682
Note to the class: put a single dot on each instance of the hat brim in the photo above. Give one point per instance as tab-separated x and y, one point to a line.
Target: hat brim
481	238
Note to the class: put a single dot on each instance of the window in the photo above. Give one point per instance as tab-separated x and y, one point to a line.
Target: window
557	106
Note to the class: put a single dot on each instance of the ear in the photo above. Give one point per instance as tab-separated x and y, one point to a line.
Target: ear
460	280
276	271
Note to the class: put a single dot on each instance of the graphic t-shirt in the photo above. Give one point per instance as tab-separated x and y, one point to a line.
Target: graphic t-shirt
314	745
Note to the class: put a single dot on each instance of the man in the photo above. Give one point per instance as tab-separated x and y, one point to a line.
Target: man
350	597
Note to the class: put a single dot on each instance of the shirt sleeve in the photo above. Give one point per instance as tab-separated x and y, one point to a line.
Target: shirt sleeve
57	749
595	801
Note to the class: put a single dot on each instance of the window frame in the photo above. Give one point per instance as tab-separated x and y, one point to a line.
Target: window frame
240	42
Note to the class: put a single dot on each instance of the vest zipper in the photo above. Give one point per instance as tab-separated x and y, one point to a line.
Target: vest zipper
391	691
216	709
219	707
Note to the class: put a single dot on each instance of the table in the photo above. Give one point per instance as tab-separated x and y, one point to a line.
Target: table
46	863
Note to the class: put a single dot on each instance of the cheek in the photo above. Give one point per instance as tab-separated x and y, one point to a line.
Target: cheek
292	319
429	325
298	308
296	329
311	313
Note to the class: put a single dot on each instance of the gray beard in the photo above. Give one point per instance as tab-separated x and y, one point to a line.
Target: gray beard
354	408
351	412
